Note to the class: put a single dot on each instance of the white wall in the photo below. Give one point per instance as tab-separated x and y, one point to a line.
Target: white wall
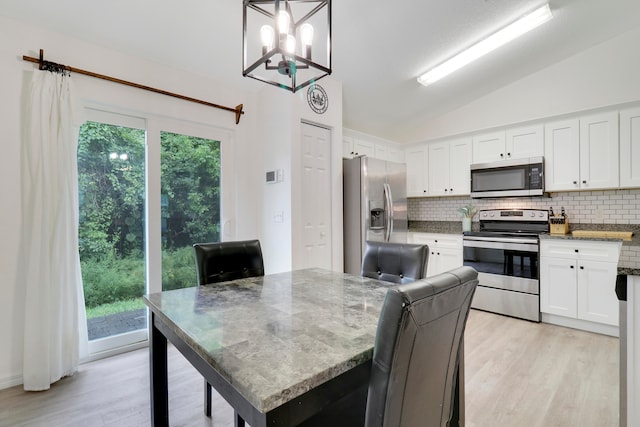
281	114
606	74
16	40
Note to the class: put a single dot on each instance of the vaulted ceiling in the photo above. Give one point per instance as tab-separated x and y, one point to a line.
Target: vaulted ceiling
379	48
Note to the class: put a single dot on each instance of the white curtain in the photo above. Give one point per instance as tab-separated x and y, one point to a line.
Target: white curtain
54	302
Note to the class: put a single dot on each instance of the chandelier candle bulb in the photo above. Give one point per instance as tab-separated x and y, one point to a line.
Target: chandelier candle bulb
266	35
283	22
306	38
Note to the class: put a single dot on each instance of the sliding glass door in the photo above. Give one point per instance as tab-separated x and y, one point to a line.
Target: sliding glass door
190	203
111	184
149	189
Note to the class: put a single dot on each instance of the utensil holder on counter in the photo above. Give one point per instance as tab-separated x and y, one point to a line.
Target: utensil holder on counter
558	225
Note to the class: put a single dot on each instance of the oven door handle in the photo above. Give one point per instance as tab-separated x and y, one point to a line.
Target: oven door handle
502	239
523	247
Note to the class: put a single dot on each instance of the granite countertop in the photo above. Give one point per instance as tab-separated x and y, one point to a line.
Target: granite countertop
629	247
635	240
275	337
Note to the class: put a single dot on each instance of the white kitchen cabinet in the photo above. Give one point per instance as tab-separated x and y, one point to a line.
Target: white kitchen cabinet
558	286
417	177
459	166
630	148
445	251
347	147
380	151
562	160
489	147
577	281
582	154
353	147
524	141
514	143
599	148
395	154
364	148
448	167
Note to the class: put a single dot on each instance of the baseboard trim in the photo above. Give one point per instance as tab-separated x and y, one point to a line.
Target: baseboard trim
583	325
10	381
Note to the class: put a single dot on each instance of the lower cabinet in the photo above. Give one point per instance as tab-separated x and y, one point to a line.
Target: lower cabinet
577	281
445	251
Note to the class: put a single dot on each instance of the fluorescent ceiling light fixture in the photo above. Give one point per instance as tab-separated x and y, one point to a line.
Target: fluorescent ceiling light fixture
508	33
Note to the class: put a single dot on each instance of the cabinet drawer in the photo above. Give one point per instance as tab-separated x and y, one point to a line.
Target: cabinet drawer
437	239
581	250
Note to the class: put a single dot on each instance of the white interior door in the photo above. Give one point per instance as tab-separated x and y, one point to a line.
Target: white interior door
316	196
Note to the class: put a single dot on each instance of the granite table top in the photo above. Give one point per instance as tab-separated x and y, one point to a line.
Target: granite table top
278	336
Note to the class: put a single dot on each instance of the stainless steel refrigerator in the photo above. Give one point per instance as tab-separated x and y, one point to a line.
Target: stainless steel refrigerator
375	206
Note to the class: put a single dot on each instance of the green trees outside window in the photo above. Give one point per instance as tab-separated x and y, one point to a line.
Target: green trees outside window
190	200
111	175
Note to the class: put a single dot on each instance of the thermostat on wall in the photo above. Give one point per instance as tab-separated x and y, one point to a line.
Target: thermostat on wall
274	176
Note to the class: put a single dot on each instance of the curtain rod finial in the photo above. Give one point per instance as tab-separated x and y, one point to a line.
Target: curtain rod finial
239	112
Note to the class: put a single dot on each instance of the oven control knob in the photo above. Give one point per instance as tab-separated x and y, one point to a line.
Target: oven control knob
484	214
532	214
491	214
540	214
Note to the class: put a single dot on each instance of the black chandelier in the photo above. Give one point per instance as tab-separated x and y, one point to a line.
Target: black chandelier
287	39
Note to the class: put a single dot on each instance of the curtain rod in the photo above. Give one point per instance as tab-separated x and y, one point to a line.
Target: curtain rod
42	64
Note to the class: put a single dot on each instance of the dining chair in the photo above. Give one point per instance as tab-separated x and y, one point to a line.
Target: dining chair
395	262
223	261
416	358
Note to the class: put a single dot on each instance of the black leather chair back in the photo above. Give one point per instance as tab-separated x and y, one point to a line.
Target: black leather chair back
395	262
415	357
222	261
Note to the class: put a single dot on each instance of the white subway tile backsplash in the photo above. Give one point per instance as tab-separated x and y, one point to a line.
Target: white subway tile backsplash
589	207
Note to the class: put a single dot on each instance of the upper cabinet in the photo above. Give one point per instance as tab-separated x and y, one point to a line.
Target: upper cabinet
582	154
448	167
354	146
417	177
364	148
525	141
514	143
395	154
630	147
488	147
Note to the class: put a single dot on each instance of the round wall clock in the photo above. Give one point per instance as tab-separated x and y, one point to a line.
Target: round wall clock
317	98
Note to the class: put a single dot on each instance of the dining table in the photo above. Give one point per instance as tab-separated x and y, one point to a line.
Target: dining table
279	348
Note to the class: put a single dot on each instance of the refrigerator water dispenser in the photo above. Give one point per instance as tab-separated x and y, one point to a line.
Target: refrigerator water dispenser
376	221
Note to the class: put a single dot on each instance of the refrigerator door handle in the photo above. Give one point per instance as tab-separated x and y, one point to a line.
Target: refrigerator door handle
388	212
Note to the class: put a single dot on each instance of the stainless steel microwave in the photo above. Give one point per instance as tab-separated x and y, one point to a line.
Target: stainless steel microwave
508	178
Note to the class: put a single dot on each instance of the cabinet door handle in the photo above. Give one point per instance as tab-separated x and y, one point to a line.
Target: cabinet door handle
584	182
508	154
445	190
501	155
438	253
571	266
451	189
581	267
576	250
575	182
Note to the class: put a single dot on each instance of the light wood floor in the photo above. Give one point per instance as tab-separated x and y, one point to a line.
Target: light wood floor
518	373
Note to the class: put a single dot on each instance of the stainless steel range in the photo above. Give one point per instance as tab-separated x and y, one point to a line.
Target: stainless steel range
505	252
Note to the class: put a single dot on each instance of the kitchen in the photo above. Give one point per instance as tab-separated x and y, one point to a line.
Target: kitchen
607	209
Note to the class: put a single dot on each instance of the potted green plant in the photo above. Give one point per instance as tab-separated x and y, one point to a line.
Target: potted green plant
467	213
